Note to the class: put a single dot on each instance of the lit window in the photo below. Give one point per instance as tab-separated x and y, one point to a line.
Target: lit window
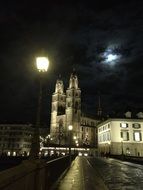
137	136
123	125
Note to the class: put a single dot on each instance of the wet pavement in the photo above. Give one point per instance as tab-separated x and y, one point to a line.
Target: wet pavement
119	175
88	173
80	176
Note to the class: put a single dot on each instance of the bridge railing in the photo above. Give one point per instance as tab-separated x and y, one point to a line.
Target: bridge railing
33	175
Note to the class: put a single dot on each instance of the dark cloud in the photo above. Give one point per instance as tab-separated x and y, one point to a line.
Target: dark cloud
73	34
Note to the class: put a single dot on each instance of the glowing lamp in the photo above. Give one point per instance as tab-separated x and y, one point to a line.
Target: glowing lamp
74	137
42	64
70	127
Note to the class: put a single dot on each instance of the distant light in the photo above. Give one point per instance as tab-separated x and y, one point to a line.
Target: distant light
8	153
80	154
46	153
74	137
85	154
42	64
70	127
14	153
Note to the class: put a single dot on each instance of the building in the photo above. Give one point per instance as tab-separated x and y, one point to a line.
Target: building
66	111
121	136
15	139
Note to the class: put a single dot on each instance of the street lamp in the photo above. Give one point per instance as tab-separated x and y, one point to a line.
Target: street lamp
70	129
42	64
74	137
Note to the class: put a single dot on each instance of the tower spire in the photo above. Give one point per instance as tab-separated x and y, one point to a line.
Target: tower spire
59	88
73	83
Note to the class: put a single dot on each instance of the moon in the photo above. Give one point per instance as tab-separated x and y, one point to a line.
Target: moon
111	57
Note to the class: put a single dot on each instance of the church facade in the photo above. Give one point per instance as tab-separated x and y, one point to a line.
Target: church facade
66	111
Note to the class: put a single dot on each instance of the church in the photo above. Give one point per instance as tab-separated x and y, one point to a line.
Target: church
66	110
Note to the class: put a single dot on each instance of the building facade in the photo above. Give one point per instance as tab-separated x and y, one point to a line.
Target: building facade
121	136
15	139
66	111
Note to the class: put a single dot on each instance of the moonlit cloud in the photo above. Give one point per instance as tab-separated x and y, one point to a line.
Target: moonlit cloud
110	56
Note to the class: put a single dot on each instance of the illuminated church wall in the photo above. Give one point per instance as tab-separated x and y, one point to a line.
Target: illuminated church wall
65	111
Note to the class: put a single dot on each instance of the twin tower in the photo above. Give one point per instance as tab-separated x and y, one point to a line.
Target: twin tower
65	111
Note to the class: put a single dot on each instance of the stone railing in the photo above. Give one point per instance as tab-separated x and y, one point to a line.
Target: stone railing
33	174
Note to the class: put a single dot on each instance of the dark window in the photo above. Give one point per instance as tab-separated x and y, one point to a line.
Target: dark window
136	125
61	110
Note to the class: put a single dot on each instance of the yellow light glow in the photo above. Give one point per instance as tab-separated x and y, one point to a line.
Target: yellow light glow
74	137
70	127
8	153
42	64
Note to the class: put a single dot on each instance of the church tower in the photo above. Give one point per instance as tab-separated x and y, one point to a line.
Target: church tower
58	111
73	105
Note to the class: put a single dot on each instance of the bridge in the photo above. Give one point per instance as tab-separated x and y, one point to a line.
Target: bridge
55	174
83	173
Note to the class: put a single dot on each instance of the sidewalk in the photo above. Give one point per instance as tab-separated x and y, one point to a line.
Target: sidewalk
80	176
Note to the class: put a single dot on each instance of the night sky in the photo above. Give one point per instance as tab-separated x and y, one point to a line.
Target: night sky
102	41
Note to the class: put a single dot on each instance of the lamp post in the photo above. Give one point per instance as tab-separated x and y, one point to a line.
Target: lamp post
70	129
42	64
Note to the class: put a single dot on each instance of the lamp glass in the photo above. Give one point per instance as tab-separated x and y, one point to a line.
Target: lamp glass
42	64
70	127
74	137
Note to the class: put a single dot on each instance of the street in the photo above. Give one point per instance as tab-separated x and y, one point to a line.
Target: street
118	175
